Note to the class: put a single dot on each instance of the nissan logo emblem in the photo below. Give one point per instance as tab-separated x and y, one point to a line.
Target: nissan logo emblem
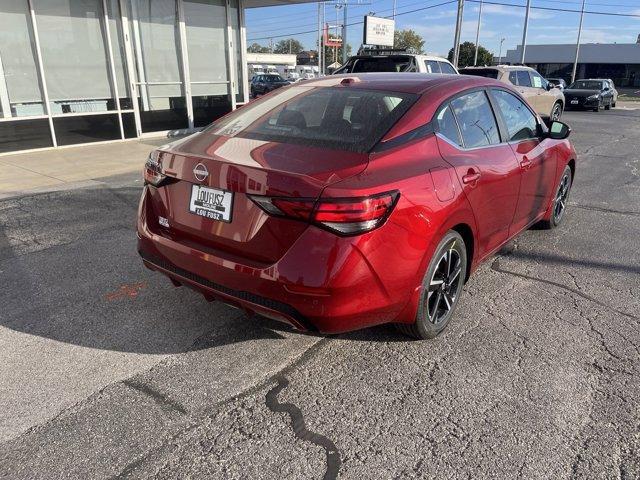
200	172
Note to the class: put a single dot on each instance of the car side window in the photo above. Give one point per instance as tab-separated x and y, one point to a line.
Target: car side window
446	68
538	81
513	78
432	66
521	123
476	120
524	80
447	127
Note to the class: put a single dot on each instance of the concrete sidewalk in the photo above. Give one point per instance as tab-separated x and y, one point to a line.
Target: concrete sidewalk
63	168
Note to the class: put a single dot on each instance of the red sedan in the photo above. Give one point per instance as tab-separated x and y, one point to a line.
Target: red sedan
352	201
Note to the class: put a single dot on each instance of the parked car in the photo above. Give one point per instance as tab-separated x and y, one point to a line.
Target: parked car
261	84
558	82
613	90
396	61
353	201
548	101
589	94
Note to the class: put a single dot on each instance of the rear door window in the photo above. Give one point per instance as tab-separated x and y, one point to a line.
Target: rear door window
328	117
447	126
524	80
432	66
476	120
446	68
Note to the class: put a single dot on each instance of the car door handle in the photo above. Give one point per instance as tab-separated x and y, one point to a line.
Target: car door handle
471	176
525	163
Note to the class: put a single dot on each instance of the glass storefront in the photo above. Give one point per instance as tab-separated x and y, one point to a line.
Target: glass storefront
81	71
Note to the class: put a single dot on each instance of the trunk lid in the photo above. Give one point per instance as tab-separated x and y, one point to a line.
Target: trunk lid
244	167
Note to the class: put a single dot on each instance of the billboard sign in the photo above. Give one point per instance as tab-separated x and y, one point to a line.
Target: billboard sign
329	38
378	31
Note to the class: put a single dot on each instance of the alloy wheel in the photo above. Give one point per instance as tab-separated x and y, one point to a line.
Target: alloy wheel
561	198
444	285
557	111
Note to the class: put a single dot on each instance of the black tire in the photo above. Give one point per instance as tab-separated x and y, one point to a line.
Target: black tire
556	111
556	212
608	106
442	287
613	104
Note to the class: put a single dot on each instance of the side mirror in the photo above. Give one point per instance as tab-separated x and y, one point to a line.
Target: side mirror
559	130
551	86
606	89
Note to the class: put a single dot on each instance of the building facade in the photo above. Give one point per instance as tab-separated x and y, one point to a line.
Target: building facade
617	61
82	71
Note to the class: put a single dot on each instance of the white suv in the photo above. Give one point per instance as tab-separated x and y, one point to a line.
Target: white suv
392	61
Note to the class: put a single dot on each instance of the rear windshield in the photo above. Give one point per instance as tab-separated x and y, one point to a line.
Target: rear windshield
480	72
273	78
340	118
396	63
586	85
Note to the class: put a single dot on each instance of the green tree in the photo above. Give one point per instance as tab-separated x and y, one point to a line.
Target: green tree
409	40
467	53
257	48
288	45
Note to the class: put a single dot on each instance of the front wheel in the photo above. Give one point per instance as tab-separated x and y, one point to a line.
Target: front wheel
557	209
441	288
556	111
608	105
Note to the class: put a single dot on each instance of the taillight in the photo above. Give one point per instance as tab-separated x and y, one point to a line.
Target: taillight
344	216
153	170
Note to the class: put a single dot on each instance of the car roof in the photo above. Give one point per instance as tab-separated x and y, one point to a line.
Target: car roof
403	82
401	54
504	68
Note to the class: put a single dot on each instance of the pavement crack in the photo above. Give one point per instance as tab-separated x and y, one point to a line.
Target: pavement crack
162	400
300	429
495	266
605	210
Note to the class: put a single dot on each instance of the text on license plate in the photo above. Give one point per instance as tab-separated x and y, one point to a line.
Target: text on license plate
574	102
211	203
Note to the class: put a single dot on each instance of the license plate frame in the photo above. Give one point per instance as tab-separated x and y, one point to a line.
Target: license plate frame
574	102
212	203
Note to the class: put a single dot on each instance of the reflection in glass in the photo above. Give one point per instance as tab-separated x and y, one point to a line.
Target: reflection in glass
25	135
206	109
74	129
156	42
20	90
74	55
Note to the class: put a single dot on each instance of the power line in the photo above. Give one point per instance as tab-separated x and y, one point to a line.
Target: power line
557	9
353	23
303	25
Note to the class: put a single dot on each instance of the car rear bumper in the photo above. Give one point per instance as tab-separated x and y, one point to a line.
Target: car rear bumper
334	290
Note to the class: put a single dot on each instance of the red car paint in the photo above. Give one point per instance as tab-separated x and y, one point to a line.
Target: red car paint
311	277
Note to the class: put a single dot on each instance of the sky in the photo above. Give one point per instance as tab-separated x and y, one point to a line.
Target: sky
436	24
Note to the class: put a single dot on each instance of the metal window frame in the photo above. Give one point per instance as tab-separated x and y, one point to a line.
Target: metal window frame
134	68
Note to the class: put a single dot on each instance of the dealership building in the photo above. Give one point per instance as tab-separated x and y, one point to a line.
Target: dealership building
617	61
82	71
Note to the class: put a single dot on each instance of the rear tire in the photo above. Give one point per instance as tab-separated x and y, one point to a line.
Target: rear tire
441	288
556	211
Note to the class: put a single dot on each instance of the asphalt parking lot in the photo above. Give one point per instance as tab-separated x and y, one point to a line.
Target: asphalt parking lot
110	371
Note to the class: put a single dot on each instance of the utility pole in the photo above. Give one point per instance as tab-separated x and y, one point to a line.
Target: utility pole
394	9
475	57
575	61
344	34
320	52
456	44
524	31
500	54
